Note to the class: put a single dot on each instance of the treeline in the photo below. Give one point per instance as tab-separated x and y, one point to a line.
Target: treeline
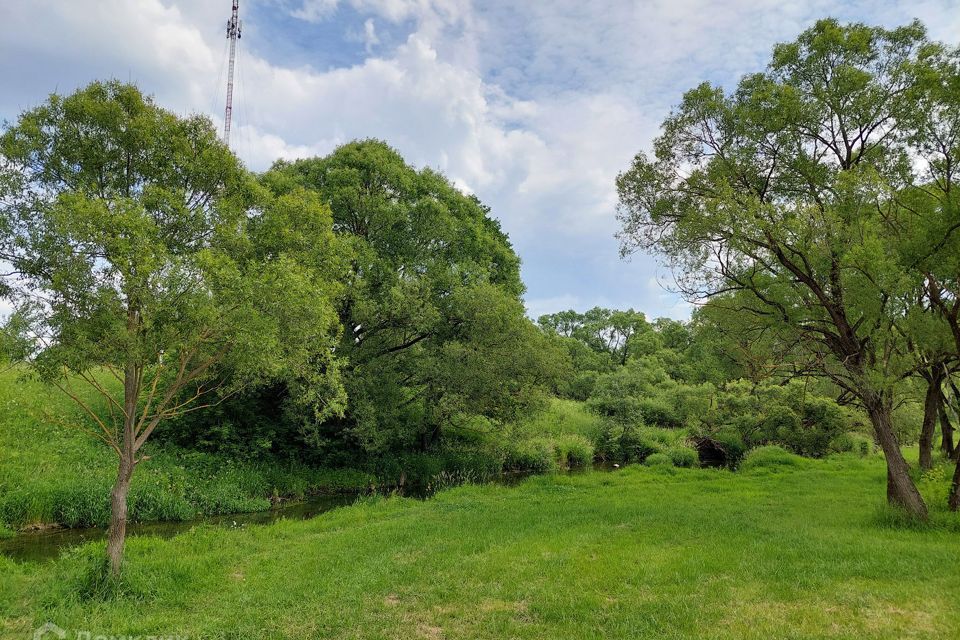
696	378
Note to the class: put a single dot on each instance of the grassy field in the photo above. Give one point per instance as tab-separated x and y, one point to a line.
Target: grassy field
785	552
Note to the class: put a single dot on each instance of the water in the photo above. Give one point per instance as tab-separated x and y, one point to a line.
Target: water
46	544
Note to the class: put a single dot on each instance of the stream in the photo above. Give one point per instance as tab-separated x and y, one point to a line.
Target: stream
46	544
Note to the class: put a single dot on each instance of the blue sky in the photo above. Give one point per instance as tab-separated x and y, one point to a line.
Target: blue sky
534	106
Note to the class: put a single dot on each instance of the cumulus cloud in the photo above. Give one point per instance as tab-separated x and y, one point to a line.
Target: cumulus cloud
532	106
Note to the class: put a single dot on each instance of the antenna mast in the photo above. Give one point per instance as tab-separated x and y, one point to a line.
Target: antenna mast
234	25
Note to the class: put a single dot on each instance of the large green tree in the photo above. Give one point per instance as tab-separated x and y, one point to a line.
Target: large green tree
128	229
781	191
434	327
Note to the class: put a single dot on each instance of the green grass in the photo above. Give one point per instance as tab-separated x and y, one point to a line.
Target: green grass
51	473
637	553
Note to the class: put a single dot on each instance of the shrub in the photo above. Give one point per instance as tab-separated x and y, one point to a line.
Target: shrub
410	469
659	413
770	457
732	445
481	462
535	455
683	456
573	451
625	444
856	443
582	385
658	460
636	446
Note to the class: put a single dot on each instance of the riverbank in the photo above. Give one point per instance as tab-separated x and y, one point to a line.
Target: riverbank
55	474
52	475
640	552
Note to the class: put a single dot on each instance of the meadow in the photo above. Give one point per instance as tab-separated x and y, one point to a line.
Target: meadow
779	550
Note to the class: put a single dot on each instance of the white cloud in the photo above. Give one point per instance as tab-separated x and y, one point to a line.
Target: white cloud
315	10
370	39
533	106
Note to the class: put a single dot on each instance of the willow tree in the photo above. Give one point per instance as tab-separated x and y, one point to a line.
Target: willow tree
779	191
144	252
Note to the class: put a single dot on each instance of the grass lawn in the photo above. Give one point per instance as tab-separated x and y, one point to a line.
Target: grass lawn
638	553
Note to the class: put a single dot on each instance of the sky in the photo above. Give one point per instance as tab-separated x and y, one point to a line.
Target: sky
534	106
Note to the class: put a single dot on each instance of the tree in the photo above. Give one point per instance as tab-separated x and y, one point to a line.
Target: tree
779	191
603	330
419	352
16	344
128	230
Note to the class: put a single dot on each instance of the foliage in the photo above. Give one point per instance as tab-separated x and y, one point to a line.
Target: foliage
851	442
658	460
51	475
573	452
436	332
683	456
626	444
812	197
770	457
537	455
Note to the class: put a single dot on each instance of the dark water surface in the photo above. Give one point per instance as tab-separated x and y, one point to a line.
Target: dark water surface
46	544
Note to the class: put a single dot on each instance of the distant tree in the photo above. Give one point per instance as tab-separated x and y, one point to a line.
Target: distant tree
780	191
604	330
127	230
562	323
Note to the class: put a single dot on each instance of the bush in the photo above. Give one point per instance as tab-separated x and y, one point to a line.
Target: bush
537	456
573	451
582	385
636	446
770	457
659	413
683	456
658	460
855	443
733	446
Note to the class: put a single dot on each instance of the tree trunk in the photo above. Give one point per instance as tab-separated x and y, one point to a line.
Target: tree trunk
901	490
954	500
946	430
117	534
931	409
